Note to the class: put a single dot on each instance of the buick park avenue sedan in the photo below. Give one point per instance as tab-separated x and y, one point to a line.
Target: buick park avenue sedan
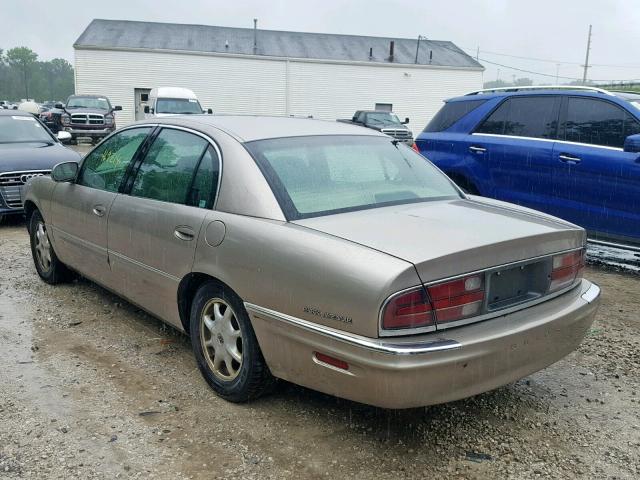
321	253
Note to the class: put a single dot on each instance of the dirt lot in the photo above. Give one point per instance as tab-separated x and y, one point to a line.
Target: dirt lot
94	388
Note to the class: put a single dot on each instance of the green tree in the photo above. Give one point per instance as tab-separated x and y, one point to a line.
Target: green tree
22	59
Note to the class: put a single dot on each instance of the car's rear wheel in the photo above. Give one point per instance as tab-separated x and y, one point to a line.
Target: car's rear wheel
49	268
225	345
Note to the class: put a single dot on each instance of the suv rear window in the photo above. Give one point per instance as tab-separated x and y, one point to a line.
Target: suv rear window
535	117
450	113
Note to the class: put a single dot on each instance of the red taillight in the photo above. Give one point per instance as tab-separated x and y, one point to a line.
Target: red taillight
457	299
415	147
567	268
408	310
334	362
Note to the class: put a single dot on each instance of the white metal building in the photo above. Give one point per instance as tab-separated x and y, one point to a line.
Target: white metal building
253	71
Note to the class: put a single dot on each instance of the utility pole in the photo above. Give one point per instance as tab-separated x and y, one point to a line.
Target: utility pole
586	60
478	54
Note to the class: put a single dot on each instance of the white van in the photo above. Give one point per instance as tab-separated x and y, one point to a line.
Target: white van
167	101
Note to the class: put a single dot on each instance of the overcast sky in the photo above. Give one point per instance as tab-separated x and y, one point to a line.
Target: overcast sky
548	30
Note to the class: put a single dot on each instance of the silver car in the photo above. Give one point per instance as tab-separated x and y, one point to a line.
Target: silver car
317	252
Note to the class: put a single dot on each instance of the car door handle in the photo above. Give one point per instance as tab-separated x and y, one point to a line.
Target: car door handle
184	233
568	159
477	149
99	210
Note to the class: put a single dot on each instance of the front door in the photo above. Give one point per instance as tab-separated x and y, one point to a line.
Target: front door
153	230
79	211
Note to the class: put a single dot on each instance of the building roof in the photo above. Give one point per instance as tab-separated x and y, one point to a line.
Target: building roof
125	34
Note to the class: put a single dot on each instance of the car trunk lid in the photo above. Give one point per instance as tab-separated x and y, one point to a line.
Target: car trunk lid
453	237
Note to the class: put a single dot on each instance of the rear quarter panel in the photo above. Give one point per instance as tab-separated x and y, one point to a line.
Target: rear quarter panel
303	273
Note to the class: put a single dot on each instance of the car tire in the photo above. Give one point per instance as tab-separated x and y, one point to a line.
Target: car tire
219	323
49	267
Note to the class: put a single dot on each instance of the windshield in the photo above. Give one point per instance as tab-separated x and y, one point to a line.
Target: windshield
178	105
383	118
89	102
313	176
19	129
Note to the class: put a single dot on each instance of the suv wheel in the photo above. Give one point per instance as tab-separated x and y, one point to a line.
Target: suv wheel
225	345
49	268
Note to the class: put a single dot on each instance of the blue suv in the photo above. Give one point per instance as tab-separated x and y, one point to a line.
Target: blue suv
572	152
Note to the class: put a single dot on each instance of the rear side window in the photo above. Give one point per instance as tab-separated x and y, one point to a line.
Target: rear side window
535	117
598	122
450	113
167	170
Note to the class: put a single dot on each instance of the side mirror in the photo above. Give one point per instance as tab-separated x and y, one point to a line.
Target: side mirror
147	109
209	111
59	106
406	121
65	172
63	136
117	108
632	143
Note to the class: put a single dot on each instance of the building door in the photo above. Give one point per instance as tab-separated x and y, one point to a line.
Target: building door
141	99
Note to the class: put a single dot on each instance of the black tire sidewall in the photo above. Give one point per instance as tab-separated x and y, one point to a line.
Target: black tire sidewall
238	389
57	271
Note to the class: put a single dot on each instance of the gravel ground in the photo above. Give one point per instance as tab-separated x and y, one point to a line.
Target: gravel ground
94	388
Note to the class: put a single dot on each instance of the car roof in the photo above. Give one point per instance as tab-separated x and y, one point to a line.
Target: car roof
246	128
532	91
173	92
15	113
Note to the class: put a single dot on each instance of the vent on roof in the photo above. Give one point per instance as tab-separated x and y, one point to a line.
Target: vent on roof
391	47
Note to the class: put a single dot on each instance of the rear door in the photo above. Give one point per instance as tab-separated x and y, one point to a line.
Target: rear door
513	148
154	228
79	210
598	182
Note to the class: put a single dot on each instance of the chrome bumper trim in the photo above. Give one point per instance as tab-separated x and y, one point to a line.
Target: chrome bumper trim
378	345
591	294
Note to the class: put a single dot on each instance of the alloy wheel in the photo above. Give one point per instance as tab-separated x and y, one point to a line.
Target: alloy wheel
221	339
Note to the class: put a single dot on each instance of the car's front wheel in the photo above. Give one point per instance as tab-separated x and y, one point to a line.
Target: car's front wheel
225	345
49	268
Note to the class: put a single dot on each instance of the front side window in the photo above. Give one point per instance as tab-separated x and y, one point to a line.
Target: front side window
450	113
313	176
178	106
105	167
168	168
597	122
534	117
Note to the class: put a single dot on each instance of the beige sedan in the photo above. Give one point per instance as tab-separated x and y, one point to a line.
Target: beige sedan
322	253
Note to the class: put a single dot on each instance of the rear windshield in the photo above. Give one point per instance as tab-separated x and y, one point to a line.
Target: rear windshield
178	105
321	175
450	113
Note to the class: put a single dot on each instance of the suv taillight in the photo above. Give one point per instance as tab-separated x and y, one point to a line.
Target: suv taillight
567	268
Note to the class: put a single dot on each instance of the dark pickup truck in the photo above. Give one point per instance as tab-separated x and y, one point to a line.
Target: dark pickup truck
88	116
383	121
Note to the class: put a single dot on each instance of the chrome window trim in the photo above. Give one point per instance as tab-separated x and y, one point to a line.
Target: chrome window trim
377	345
479	318
565	142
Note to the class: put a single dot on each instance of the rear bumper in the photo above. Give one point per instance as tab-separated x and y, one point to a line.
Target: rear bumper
427	369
